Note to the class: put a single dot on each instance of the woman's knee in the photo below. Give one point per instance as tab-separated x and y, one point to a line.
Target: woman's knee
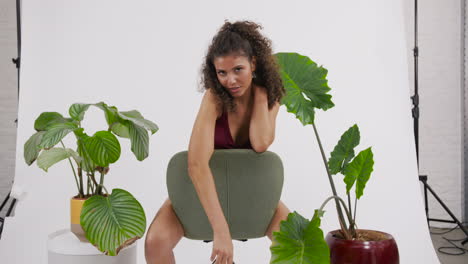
165	231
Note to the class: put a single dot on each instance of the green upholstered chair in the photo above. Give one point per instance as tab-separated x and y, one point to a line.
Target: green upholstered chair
248	184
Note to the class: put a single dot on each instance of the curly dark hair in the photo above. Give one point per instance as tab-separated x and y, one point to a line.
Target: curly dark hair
243	38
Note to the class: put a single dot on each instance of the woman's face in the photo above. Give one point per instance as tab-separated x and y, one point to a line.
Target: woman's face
235	73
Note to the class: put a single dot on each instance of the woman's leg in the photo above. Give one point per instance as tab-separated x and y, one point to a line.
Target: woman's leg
163	235
281	214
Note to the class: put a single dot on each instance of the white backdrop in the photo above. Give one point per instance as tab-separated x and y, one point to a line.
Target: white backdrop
146	55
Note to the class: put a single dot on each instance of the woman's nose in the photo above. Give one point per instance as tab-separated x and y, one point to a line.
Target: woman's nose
231	79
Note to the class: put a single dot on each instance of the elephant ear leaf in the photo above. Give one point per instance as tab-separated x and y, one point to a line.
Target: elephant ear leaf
305	84
344	150
359	170
113	222
299	241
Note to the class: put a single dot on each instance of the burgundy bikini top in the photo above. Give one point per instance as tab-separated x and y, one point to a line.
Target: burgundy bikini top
223	138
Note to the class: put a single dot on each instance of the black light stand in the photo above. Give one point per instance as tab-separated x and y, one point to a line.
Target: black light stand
415	110
17	62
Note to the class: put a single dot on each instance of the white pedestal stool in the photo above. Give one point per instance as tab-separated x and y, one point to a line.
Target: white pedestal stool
64	248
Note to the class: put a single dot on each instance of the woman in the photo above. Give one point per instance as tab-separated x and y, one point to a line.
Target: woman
238	110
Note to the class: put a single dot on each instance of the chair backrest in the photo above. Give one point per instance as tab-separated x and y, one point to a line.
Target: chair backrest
248	184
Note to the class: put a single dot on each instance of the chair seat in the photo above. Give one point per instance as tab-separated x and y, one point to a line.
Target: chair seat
248	184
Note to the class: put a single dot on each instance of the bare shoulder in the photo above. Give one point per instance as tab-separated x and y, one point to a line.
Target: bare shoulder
212	102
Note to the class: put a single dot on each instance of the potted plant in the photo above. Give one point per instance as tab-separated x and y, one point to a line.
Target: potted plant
110	221
301	240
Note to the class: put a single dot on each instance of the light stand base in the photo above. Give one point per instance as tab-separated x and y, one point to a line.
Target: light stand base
423	179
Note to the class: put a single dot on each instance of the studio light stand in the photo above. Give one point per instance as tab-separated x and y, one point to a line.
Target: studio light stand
415	111
17	62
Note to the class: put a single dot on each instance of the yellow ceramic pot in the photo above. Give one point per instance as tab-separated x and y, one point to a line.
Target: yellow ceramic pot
76	204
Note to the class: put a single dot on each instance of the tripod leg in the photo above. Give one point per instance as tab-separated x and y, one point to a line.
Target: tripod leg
423	179
448	211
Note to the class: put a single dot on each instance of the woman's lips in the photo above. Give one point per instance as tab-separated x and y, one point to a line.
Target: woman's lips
234	89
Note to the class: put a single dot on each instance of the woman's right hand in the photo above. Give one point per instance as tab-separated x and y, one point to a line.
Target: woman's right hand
223	250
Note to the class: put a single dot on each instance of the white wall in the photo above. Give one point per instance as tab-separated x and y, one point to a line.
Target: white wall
146	55
8	97
441	144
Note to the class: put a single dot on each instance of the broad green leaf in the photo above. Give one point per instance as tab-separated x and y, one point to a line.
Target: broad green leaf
113	222
344	150
110	112
51	156
305	84
31	147
77	111
47	119
139	140
55	133
135	117
103	148
299	241
87	164
359	170
120	130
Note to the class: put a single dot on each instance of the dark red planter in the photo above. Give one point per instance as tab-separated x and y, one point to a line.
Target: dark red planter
362	252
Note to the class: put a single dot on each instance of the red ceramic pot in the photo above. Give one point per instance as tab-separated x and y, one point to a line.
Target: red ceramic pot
362	252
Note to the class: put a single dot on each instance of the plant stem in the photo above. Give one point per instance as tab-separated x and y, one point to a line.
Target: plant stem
338	199
355	206
88	181
80	176
101	183
95	184
332	184
349	202
74	173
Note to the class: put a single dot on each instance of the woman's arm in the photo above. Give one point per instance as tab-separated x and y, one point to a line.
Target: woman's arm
200	150
263	121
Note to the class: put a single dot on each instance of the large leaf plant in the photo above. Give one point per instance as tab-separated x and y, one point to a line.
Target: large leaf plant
110	221
301	240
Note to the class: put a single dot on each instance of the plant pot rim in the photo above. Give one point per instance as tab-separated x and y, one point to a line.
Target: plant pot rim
387	235
86	198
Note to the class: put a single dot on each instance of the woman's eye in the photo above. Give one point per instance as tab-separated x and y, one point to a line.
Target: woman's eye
221	73
238	69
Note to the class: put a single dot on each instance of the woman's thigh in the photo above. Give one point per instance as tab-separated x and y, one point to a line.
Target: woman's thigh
165	227
281	214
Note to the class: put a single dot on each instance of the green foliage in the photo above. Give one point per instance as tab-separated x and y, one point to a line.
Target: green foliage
344	150
51	156
47	119
55	133
31	149
300	241
306	86
109	222
77	111
307	89
114	221
87	164
103	148
359	170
